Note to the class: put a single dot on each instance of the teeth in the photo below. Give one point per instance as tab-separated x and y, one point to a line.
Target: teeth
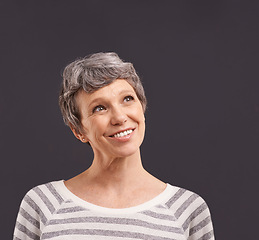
122	134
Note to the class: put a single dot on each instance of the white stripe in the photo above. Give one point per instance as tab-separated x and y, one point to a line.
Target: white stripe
28	225
36	198
50	196
114	227
196	204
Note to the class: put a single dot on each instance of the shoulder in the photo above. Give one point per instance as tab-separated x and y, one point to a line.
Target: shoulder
186	205
45	196
183	199
37	207
191	211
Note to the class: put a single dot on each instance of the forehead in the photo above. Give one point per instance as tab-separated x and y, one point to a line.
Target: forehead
117	87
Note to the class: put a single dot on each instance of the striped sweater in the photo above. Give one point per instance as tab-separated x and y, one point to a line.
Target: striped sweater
51	211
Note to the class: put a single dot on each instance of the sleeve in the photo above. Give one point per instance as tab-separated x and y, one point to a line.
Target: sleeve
29	220
198	225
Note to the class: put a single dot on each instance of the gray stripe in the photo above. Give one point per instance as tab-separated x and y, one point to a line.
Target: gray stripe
125	221
194	214
16	238
29	218
27	231
161	206
94	232
36	208
44	199
159	215
176	196
185	205
199	226
55	193
71	210
207	236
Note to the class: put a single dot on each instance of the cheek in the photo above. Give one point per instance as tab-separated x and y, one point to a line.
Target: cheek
139	114
87	125
138	117
95	126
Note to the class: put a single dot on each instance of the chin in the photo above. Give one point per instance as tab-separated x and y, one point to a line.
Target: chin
127	152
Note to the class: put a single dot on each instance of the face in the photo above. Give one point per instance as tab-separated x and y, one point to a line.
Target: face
112	119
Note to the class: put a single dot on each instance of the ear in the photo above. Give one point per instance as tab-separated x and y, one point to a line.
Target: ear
78	135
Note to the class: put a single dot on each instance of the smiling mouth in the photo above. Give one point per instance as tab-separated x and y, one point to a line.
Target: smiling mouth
122	134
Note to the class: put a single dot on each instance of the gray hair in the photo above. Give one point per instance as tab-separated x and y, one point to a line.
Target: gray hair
90	74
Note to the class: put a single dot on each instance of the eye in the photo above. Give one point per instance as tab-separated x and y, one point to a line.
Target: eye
128	98
98	108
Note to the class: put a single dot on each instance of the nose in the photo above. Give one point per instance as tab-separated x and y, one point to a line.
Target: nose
118	116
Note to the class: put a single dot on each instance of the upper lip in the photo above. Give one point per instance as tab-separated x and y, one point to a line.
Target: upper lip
123	130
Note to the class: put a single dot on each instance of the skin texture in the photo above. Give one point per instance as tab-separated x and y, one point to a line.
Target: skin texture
116	178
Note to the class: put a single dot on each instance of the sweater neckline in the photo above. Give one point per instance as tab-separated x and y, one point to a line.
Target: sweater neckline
159	199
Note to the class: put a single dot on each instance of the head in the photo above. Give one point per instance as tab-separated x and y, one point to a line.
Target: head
90	74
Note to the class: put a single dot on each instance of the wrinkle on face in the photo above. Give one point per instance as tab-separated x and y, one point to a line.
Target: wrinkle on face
98	126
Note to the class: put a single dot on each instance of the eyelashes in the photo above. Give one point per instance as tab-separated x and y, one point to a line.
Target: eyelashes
100	108
128	98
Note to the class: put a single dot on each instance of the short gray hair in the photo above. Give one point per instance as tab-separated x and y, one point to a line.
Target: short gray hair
90	74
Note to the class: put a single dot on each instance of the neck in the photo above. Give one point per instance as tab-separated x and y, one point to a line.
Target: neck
116	183
116	174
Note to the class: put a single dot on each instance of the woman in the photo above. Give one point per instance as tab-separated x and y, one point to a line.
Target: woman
103	102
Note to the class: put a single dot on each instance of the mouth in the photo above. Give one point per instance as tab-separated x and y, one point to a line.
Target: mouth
122	133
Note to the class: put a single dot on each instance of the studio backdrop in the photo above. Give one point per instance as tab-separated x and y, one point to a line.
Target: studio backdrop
198	61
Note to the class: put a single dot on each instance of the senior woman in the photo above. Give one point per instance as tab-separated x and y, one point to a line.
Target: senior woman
102	100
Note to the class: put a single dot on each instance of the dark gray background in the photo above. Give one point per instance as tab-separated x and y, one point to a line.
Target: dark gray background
199	64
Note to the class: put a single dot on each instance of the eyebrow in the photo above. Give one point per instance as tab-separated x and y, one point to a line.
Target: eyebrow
105	99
